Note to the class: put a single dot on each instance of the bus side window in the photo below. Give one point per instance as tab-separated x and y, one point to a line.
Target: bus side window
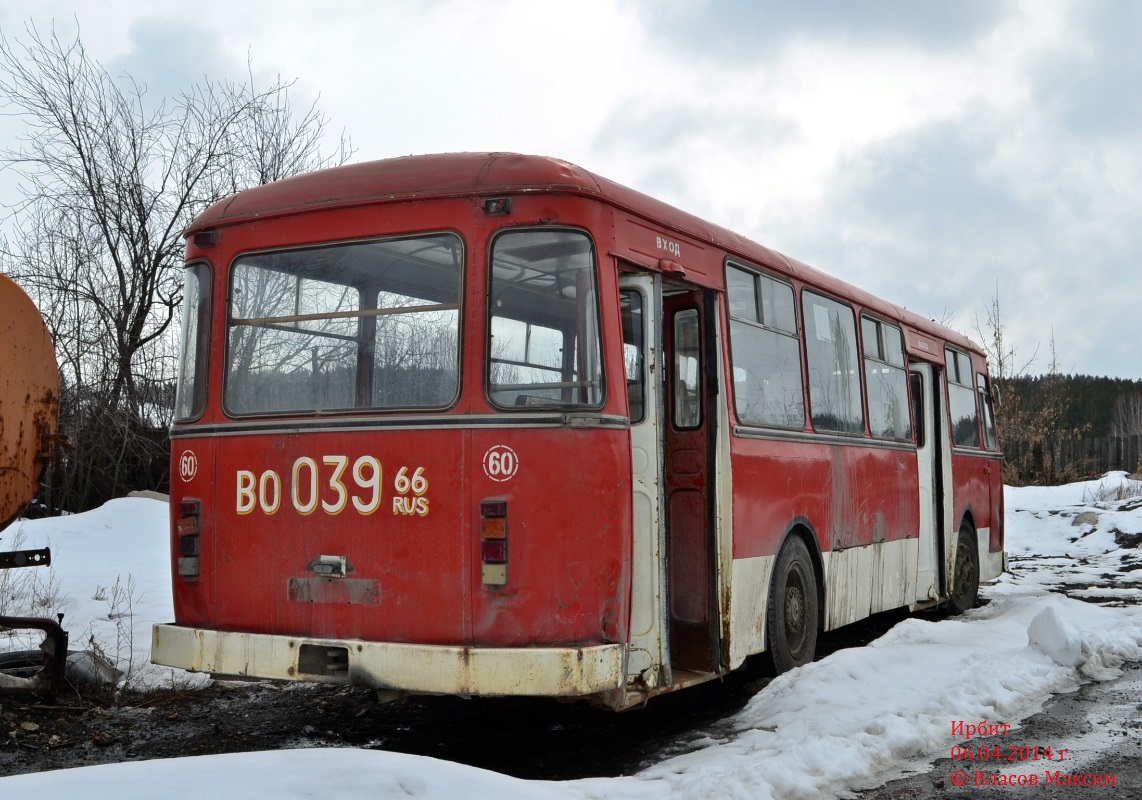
917	381
983	386
633	348
962	400
687	370
190	391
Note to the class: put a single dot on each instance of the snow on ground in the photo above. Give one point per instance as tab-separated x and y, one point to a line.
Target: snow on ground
110	578
852	718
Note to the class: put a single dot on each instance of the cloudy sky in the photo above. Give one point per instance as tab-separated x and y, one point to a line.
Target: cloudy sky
931	152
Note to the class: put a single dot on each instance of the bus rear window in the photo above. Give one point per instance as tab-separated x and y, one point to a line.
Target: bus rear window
371	325
543	347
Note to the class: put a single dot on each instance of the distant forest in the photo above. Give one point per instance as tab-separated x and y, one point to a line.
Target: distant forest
1089	404
1056	428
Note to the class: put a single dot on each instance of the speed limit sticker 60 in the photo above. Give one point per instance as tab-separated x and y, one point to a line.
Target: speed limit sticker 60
500	463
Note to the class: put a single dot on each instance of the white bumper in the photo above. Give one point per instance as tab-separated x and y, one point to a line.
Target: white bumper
426	669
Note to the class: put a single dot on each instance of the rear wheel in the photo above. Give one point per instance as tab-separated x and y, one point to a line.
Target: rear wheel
965	577
791	619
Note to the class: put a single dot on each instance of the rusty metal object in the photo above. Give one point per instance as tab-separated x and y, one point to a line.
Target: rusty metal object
29	399
29	416
49	678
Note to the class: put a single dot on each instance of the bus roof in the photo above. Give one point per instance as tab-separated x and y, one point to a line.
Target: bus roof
483	174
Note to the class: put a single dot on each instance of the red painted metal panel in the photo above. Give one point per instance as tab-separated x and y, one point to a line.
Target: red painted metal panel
850	495
971	487
568	550
569	536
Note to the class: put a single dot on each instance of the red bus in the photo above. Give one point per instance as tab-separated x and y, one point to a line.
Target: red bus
490	424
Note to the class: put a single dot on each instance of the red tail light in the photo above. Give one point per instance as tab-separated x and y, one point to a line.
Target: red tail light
494	551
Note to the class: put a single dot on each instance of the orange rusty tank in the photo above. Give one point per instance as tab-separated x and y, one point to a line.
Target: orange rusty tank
29	399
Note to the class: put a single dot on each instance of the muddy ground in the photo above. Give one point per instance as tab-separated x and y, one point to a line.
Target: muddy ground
527	738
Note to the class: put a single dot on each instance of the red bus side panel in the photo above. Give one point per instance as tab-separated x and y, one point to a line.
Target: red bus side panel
850	496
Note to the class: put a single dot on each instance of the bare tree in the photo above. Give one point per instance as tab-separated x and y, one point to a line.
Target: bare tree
1030	412
109	178
273	142
1127	417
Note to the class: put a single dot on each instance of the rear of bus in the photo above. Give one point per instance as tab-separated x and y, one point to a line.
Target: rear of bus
401	451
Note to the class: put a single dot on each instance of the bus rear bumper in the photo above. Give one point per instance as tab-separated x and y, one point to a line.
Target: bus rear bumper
416	668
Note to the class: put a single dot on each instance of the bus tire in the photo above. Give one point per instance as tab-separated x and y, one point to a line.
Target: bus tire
794	608
964	590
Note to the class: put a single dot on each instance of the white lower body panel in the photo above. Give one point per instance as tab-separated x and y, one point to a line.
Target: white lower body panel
748	600
991	565
425	669
860	581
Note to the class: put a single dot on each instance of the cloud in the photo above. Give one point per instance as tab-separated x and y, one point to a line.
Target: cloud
683	152
753	29
168	56
937	189
1094	89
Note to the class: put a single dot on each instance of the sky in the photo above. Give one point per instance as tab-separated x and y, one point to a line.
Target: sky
939	155
1069	612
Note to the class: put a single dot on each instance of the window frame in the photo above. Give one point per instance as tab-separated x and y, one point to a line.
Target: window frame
882	357
858	368
756	275
960	383
638	317
461	292
676	379
203	337
486	371
987	412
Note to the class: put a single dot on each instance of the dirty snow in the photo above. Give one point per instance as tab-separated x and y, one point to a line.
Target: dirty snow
1067	613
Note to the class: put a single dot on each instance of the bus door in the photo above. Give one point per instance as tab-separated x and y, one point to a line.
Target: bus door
641	302
689	428
932	446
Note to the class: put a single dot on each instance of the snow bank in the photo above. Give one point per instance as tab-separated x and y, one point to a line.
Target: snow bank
282	775
863	711
1057	638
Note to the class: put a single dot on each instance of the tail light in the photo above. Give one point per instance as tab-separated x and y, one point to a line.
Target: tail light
494	541
189	538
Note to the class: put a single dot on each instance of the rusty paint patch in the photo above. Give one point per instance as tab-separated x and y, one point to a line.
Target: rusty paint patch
880	528
352	591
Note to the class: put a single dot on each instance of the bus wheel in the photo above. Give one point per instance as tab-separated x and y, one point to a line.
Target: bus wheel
791	619
965	578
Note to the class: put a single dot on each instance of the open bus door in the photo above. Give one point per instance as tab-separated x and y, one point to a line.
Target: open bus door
690	425
669	347
932	452
641	302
